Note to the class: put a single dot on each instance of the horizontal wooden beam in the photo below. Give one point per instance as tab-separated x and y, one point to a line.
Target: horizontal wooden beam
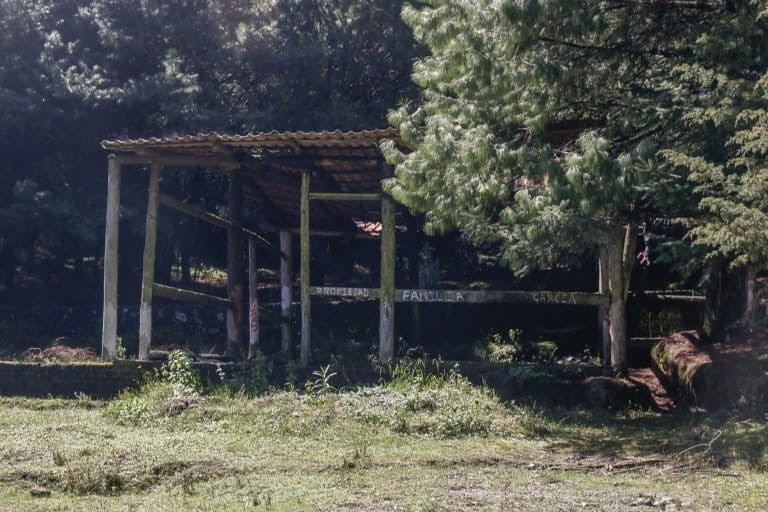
343	196
147	158
178	294
345	292
329	234
210	218
193	211
511	296
466	296
670	297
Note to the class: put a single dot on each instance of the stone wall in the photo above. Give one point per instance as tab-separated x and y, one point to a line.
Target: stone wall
97	380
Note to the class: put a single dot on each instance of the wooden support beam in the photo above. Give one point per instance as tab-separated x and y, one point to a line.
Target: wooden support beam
210	218
235	266
111	240
286	294
331	234
254	322
181	295
669	297
387	289
148	269
502	296
148	157
345	292
306	308
343	196
603	320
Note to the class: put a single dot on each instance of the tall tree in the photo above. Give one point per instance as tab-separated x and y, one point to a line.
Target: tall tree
735	199
541	122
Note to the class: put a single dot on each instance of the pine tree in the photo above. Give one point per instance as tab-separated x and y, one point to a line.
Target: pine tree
735	199
547	127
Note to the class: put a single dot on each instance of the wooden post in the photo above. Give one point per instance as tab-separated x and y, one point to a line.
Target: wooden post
712	316
286	293
111	239
604	324
148	272
616	281
306	312
750	289
387	299
253	300
235	265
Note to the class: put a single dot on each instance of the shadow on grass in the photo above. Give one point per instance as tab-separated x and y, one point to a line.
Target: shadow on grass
722	438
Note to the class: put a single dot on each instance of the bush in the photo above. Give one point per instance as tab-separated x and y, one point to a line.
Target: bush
174	388
497	348
250	378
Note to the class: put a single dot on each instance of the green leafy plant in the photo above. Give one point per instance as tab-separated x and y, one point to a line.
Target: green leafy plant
322	382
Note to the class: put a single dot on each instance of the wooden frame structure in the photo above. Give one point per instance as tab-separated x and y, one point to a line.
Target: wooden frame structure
305	183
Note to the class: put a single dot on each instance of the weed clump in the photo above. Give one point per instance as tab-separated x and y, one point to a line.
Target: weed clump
174	388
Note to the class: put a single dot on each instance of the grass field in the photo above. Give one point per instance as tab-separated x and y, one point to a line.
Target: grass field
413	444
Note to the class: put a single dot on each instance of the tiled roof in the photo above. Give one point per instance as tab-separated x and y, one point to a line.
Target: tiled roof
272	163
259	140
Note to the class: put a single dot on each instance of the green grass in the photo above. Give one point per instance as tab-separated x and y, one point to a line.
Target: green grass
417	443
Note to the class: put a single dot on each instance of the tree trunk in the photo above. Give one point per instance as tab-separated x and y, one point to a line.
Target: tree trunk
750	288
713	294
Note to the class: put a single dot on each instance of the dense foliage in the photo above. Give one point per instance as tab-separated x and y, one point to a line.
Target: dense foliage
553	127
75	72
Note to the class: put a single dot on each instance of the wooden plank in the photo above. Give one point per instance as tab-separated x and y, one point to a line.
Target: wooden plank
306	313
209	218
465	296
387	289
345	292
286	294
235	266
343	196
178	160
148	269
499	296
331	234
111	240
181	295
254	321
670	297
603	320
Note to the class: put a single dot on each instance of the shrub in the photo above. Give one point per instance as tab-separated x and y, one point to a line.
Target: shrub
174	388
497	348
250	378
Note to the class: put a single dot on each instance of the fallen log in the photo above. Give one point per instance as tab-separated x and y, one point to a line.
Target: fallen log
685	365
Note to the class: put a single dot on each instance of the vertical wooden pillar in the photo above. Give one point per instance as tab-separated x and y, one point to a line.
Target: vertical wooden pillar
254	323
286	293
148	272
111	239
235	265
387	300
618	308
604	324
306	307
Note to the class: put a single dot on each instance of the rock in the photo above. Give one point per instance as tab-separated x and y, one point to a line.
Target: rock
39	492
616	393
664	503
